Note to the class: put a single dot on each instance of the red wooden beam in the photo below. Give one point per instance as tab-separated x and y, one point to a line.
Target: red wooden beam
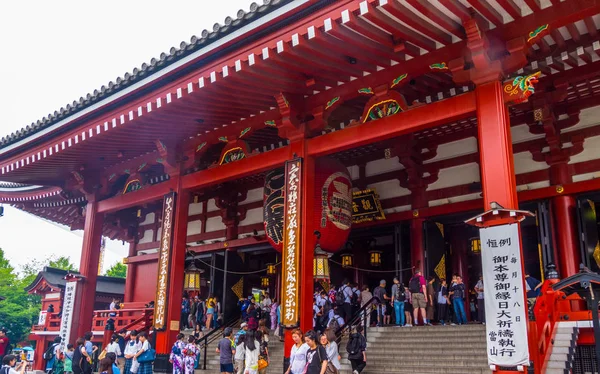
413	120
140	197
238	169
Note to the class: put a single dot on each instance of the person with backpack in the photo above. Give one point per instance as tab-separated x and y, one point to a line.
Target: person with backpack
335	321
357	350
50	355
398	299
355	299
8	365
418	289
380	293
343	299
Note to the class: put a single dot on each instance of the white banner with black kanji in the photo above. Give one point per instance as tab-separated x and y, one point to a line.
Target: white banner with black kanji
505	309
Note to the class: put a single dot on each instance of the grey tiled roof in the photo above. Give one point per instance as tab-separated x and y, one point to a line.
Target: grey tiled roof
55	278
165	59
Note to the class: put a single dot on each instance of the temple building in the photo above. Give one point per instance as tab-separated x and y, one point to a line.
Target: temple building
301	143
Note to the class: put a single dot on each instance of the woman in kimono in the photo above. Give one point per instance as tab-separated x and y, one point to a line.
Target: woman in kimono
176	357
190	355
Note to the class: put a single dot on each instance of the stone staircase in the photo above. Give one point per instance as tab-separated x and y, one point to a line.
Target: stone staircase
416	350
563	350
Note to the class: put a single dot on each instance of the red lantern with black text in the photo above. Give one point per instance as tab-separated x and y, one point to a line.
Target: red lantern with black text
333	203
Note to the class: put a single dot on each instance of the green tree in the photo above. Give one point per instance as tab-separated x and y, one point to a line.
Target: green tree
19	309
30	270
61	262
117	270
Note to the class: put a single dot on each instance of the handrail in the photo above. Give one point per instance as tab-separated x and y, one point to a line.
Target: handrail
145	317
543	328
356	318
213	335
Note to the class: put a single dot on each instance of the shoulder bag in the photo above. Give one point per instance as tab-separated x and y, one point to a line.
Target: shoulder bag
147	356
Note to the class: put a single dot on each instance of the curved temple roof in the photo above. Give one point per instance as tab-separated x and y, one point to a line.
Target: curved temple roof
175	54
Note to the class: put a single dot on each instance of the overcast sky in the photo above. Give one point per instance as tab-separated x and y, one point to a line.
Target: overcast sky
53	52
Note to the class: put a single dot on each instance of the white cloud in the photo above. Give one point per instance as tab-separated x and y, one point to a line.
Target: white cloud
53	52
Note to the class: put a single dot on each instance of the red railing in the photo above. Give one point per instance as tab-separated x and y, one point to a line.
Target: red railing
552	307
128	319
52	323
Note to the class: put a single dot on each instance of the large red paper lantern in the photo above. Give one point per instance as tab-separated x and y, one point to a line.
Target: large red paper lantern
333	203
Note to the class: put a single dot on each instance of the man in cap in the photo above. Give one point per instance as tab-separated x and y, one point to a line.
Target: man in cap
380	293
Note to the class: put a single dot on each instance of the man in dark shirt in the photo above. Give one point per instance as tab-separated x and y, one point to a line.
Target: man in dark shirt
380	293
226	350
458	293
121	357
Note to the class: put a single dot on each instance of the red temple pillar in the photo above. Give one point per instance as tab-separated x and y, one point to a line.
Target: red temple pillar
497	164
131	274
83	310
564	224
307	245
166	338
495	147
417	249
566	228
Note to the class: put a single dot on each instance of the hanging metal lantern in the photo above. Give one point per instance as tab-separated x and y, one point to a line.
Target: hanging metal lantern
375	258
476	245
191	279
321	265
347	260
264	282
271	269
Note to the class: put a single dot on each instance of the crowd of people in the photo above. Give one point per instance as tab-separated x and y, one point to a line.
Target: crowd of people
247	352
197	311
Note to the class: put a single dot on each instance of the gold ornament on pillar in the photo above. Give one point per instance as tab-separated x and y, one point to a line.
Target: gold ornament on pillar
560	189
191	279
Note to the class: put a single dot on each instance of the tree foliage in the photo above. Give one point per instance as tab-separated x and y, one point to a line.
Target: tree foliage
117	270
19	311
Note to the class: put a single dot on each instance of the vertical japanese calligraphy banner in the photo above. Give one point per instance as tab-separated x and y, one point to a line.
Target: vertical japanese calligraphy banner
164	256
67	314
506	326
291	244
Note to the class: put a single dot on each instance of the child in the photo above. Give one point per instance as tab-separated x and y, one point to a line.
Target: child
69	359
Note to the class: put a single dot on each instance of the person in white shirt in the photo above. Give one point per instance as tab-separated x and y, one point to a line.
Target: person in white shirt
131	348
266	303
239	357
8	365
114	345
252	348
298	353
